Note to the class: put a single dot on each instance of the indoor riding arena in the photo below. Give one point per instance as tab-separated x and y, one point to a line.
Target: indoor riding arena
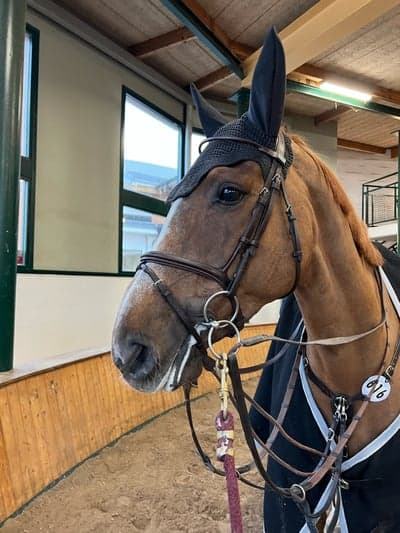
124	284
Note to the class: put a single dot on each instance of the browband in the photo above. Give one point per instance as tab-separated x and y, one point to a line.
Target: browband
279	154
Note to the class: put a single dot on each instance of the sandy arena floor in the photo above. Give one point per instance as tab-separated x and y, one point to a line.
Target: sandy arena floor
151	481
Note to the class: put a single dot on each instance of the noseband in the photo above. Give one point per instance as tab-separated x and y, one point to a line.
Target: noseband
246	247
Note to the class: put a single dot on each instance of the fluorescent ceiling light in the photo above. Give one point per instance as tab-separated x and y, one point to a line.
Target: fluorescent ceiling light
339	89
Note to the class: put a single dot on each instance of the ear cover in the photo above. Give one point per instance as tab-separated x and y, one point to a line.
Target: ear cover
267	95
211	119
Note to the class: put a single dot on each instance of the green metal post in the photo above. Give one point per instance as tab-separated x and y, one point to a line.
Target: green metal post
12	36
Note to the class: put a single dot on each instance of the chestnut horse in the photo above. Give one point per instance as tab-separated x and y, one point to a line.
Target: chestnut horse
261	216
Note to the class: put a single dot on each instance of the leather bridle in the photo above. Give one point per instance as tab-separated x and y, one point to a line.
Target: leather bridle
246	247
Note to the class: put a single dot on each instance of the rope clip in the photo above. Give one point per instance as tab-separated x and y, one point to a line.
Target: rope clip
222	370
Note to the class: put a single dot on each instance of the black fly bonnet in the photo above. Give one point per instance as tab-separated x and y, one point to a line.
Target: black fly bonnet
226	153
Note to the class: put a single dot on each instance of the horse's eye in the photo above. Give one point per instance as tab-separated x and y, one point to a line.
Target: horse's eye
230	194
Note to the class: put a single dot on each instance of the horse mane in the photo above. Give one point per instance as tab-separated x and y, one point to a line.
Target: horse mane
358	228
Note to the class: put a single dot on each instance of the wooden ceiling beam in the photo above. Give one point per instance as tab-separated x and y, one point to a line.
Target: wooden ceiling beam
394	151
319	28
240	50
166	40
331	114
205	18
213	78
360	147
196	19
311	74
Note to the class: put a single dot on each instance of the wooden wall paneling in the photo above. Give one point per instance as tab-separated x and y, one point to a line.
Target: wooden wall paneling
86	406
110	396
76	411
7	496
22	445
32	399
52	421
61	423
96	405
127	403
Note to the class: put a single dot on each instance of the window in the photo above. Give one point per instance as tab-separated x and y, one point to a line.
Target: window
140	229
151	167
22	222
197	138
28	148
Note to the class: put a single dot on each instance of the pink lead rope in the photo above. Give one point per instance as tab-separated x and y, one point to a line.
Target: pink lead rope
225	433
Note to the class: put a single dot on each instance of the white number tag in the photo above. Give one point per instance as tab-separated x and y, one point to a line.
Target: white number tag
381	388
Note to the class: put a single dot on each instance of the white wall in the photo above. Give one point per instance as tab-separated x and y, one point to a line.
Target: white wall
355	168
322	138
58	314
78	151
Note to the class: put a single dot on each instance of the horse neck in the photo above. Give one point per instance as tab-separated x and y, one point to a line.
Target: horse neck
339	296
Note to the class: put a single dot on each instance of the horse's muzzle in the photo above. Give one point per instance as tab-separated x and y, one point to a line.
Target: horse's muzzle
137	362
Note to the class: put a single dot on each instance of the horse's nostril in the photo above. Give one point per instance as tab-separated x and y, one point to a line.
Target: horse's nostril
137	360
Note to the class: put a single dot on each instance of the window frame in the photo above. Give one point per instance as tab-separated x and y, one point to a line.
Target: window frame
197	131
28	164
134	199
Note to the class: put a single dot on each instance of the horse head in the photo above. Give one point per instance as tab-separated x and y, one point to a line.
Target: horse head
231	228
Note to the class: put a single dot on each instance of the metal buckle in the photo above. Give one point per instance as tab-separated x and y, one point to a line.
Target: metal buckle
341	404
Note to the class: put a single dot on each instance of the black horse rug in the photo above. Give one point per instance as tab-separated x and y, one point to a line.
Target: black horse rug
370	503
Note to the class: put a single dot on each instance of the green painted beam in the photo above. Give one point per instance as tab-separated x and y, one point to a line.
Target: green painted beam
200	30
12	36
302	88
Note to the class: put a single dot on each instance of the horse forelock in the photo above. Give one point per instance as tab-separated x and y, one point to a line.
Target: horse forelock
358	228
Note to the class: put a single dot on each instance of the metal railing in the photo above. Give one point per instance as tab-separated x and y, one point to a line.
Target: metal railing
379	200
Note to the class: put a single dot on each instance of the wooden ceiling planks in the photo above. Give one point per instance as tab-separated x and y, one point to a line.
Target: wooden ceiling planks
126	23
368	128
247	20
372	53
215	7
227	87
184	63
214	77
356	125
320	28
306	105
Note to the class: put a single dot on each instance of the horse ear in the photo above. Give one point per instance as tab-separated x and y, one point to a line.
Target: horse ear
211	119
268	88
